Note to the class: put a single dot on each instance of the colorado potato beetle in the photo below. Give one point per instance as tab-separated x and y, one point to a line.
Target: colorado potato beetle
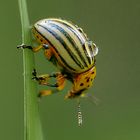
69	48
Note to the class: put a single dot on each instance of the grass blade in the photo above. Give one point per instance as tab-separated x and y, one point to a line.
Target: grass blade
32	125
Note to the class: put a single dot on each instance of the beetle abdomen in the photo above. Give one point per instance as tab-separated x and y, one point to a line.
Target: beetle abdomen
69	43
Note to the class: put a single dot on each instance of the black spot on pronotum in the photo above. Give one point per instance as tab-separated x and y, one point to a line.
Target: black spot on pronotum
81	84
88	79
41	40
92	72
37	36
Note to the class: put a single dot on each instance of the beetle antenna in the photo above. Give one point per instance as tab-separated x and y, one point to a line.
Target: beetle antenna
93	99
79	114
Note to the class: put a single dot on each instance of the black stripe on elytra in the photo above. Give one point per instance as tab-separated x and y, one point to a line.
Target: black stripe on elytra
56	36
62	59
70	39
87	55
74	32
91	52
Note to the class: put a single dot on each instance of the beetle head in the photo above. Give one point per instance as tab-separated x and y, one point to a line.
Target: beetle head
75	94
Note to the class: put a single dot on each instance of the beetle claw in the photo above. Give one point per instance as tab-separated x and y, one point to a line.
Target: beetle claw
23	46
34	73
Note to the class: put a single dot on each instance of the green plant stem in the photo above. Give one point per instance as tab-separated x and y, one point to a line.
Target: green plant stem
32	125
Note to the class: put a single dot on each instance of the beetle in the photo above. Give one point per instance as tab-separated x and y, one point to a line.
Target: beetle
68	47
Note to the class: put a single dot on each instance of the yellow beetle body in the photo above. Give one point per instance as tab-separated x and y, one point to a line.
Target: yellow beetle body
66	45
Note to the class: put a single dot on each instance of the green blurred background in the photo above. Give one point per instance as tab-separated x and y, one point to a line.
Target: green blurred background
114	25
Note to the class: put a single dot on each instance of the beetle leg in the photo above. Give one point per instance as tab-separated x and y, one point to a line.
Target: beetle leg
48	52
34	49
60	83
43	79
38	48
46	92
61	79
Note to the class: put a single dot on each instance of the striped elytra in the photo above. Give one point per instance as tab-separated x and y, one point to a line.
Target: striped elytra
72	48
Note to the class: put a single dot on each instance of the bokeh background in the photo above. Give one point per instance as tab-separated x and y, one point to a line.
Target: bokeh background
114	25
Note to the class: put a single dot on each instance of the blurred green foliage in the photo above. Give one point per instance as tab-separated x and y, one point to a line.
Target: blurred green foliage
115	28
